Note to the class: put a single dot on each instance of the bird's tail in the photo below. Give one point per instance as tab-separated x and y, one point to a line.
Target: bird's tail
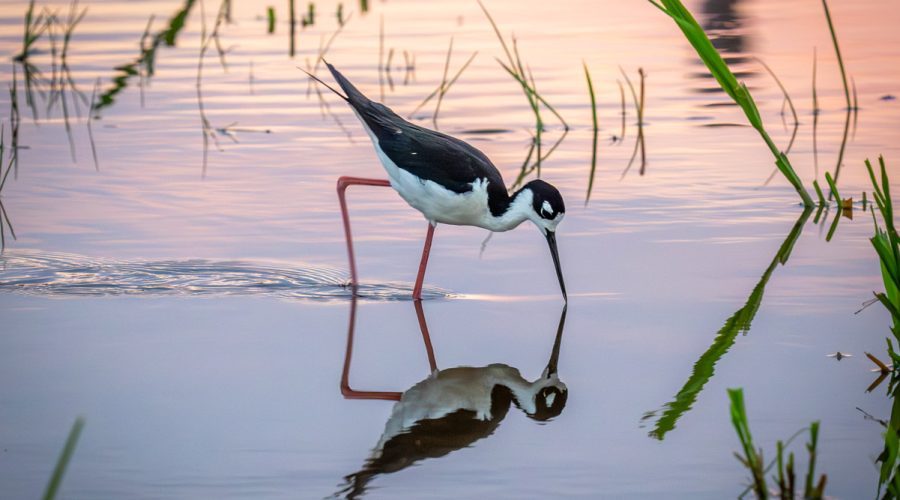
354	96
319	80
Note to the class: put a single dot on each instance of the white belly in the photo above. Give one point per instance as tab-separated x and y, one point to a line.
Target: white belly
436	202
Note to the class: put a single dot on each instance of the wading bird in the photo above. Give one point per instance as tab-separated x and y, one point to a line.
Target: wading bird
446	179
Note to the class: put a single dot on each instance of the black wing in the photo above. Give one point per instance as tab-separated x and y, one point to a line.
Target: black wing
425	153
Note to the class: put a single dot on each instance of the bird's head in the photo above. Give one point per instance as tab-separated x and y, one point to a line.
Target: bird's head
547	206
546	212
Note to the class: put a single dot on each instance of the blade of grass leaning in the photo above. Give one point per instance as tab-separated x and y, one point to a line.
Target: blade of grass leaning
833	187
587	76
822	200
63	461
729	83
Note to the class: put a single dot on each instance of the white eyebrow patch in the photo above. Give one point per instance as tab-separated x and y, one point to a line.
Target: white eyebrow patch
546	207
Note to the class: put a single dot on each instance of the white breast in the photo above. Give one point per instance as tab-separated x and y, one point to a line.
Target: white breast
436	202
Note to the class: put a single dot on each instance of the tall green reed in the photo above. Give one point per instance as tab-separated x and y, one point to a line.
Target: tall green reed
887	246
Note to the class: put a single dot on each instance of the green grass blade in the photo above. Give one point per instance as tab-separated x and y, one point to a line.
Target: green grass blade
822	200
63	461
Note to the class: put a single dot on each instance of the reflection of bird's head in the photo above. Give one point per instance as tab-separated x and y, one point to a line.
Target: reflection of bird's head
549	402
548	398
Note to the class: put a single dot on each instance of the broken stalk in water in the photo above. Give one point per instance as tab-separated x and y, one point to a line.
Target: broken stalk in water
587	76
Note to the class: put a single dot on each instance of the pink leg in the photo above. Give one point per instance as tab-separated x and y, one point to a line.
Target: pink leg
420	278
342	184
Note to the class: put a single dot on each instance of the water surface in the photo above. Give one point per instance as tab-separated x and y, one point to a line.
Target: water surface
195	314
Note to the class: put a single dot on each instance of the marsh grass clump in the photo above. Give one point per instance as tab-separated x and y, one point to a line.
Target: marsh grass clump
785	475
525	78
34	28
887	246
729	83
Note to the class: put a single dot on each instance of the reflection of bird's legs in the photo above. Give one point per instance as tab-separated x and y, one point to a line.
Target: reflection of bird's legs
420	314
350	393
346	390
342	184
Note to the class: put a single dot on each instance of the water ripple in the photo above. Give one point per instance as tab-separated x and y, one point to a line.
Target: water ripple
64	275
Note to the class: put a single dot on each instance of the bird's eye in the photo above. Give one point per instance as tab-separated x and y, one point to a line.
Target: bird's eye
546	210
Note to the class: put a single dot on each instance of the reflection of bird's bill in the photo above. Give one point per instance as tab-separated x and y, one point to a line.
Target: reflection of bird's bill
551	240
554	355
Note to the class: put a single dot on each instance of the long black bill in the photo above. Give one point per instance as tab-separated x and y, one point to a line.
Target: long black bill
551	240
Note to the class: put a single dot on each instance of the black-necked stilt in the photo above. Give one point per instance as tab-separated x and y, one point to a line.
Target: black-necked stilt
452	408
446	179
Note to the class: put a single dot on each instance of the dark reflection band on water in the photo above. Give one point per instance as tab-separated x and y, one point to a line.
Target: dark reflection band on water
739	322
67	275
725	26
450	409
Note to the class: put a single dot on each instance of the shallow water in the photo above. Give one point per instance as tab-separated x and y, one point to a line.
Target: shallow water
195	315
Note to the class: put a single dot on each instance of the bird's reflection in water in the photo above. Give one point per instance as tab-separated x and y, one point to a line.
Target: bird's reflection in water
451	408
